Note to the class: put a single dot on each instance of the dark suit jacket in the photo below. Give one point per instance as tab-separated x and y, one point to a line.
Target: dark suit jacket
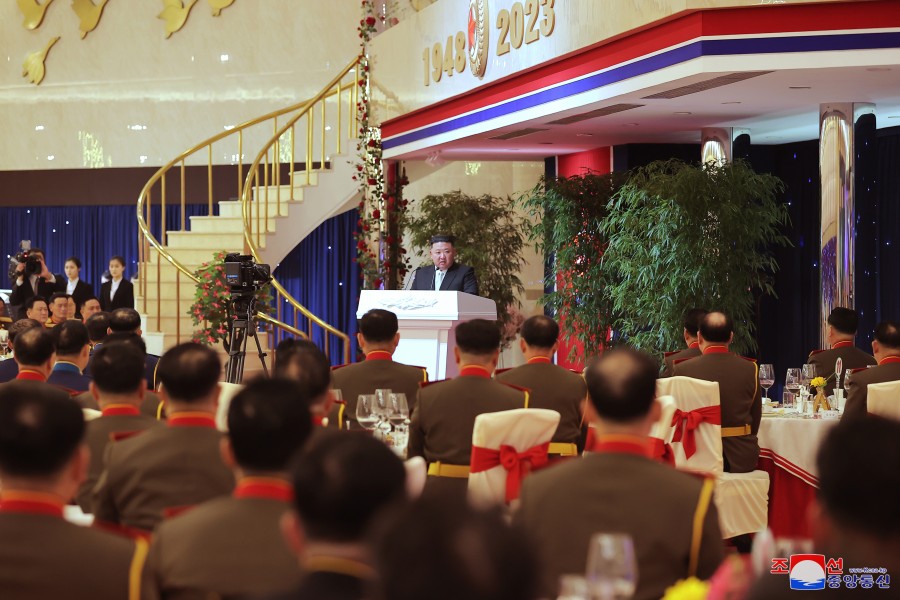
370	375
21	293
669	360
851	358
83	290
562	507
458	278
124	296
858	387
9	368
741	400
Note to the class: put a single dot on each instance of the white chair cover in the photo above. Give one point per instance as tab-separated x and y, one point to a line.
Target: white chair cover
73	514
416	474
742	499
90	414
662	429
521	428
227	391
883	399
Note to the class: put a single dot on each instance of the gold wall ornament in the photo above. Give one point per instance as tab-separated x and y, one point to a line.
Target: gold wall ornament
175	14
34	12
219	5
33	67
88	14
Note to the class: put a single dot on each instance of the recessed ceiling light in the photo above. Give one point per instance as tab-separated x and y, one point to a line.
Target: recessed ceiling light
38	127
732	102
682	113
224	58
50	157
800	87
584	135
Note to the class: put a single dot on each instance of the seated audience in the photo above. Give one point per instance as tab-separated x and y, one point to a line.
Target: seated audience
840	334
35	307
303	362
167	469
98	328
128	320
59	309
739	391
669	515
468	554
35	354
859	521
9	368
550	386
118	390
342	482
89	306
231	546
442	424
378	338
691	323
42	463
73	350
886	348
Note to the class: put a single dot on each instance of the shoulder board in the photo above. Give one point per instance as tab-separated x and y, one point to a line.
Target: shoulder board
499	371
418	367
668	354
678	361
336	367
816	351
423	384
118	436
580	373
753	360
516	387
858	369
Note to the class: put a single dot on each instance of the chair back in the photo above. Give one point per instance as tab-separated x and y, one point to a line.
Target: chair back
90	414
883	399
694	416
227	391
662	429
497	436
416	474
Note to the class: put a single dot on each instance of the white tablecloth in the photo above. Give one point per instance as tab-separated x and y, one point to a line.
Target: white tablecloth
792	443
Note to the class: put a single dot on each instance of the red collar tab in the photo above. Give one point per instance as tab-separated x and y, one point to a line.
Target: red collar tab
842	344
623	444
716	350
540	359
30	375
192	419
264	487
379	355
889	359
32	503
474	371
115	410
694	345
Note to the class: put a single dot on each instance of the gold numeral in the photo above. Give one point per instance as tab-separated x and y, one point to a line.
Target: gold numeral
503	26
460	52
533	12
549	21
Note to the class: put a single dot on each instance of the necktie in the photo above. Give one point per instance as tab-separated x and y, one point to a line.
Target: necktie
438	279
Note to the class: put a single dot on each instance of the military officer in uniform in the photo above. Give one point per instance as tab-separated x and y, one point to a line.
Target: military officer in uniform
840	335
692	320
886	348
42	462
268	421
378	337
35	354
304	362
739	394
9	368
442	424
550	386
670	516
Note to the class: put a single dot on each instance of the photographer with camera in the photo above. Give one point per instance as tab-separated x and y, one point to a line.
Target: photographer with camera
31	277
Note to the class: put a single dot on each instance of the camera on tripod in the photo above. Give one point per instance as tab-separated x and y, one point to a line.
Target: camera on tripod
32	262
243	274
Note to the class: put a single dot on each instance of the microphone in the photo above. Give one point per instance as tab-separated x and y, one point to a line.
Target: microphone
409	280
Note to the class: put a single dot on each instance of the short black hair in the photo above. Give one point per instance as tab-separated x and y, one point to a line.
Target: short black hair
306	364
442	237
125	319
844	320
37	251
540	331
70	337
692	319
342	480
621	384
478	336
118	368
23	325
859	475
378	325
29	303
716	327
118	259
131	339
887	333
34	347
268	421
41	427
98	326
75	260
472	554
57	295
189	372
88	299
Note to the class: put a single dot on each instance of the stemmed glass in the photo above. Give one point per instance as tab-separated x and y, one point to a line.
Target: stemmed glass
808	374
366	414
611	567
766	378
383	410
792	382
399	412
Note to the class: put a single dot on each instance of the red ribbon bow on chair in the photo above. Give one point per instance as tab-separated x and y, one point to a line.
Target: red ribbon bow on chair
517	464
685	422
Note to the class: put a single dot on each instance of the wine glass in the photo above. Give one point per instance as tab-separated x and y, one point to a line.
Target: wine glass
792	382
766	378
399	413
366	414
611	567
807	375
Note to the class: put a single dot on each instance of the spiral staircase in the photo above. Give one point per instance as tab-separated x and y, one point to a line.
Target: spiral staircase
300	176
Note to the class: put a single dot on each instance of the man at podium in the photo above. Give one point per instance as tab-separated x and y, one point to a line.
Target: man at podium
447	275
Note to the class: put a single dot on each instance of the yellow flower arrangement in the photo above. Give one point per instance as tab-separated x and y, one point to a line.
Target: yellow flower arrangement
818	382
687	589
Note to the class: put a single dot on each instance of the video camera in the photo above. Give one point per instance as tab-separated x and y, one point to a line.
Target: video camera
32	262
243	274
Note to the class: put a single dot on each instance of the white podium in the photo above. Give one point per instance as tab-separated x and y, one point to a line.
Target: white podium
427	324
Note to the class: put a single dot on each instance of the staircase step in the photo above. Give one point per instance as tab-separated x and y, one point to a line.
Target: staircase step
288	194
222	224
213	241
191	258
232	208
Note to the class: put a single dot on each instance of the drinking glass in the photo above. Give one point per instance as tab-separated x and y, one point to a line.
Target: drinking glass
366	414
573	587
787	400
766	378
399	412
792	380
807	375
611	568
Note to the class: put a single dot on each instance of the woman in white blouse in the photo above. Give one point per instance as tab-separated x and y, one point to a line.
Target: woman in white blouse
118	292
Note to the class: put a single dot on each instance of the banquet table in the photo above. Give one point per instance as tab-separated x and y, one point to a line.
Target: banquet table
788	448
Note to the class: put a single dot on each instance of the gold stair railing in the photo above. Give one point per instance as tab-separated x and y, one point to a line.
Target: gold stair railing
233	139
325	129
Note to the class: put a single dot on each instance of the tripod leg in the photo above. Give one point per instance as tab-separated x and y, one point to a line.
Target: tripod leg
262	355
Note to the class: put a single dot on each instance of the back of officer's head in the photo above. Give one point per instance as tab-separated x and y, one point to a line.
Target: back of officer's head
40	431
887	333
189	372
378	325
98	326
844	320
478	336
34	347
716	327
124	319
302	361
118	368
692	319
341	481
540	331
268	421
23	325
71	337
621	384
132	339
